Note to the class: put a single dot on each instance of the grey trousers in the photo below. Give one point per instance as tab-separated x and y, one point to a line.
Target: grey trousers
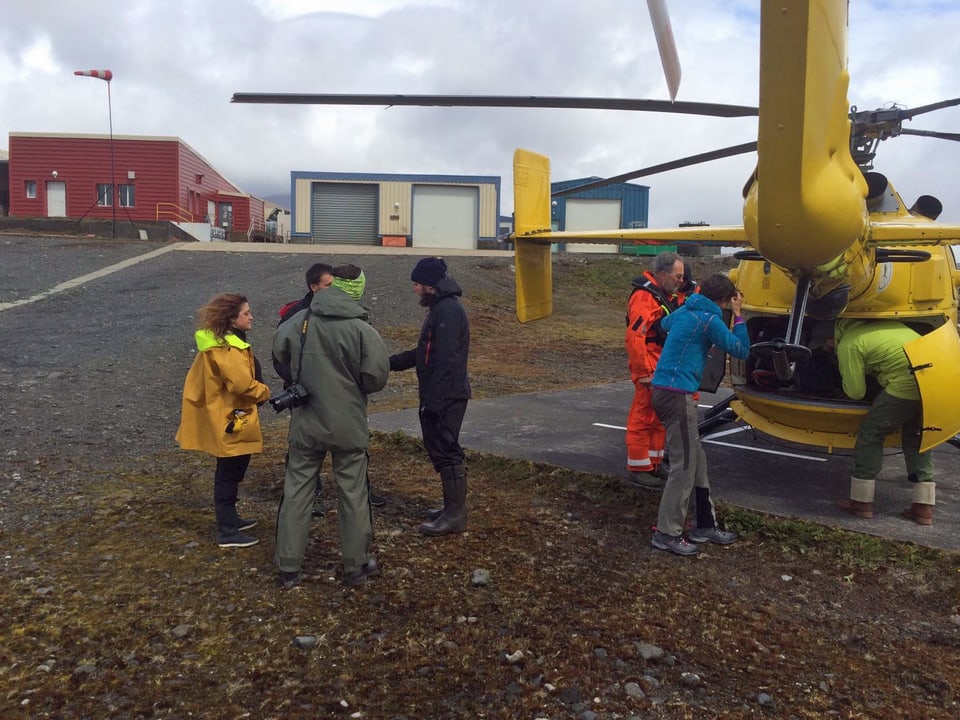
354	517
688	463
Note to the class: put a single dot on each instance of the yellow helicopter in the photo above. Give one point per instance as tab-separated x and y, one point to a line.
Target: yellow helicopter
830	238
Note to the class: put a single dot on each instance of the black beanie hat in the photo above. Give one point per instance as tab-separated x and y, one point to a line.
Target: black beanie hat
429	271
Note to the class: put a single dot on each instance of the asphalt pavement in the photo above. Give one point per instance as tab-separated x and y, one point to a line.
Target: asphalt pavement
583	429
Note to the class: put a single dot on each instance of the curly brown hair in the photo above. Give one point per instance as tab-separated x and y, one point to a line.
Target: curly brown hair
718	287
219	313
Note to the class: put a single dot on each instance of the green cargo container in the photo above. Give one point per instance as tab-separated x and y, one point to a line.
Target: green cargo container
646	249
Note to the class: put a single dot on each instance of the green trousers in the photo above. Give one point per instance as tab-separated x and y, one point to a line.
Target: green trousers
889	414
354	518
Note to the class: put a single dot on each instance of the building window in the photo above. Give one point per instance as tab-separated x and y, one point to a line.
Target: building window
127	195
30	188
104	195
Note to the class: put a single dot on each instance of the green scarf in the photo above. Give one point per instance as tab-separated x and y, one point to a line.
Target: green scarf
353	288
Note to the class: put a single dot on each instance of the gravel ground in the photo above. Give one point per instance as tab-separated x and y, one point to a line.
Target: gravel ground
95	371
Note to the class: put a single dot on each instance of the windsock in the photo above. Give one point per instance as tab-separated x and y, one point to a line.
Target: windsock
102	74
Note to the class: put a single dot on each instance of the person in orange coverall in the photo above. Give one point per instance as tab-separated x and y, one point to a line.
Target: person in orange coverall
655	295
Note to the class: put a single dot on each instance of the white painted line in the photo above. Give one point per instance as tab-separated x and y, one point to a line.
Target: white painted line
709	439
724	433
76	282
765	450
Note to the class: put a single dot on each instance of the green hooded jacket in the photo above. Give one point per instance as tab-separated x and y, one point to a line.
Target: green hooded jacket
344	360
875	347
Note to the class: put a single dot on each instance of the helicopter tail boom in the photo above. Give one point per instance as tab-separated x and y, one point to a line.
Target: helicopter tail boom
813	205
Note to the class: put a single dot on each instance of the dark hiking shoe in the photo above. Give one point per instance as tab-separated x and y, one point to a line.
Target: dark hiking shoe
712	535
377	500
677	545
245	524
289	580
361	575
317	506
237	539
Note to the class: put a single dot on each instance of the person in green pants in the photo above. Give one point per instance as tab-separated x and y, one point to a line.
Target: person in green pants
875	348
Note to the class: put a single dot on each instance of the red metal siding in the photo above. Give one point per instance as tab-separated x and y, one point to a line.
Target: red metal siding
165	173
213	186
84	162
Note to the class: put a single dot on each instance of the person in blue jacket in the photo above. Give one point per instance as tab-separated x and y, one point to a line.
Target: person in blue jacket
691	331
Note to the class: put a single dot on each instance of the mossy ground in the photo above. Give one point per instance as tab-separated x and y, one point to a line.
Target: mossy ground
118	603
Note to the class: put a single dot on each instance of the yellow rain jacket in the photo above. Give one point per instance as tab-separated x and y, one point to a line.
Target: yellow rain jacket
218	414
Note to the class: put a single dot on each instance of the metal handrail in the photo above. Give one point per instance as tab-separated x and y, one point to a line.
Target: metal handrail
177	212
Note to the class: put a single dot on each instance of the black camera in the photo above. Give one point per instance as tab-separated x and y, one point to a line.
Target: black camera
294	396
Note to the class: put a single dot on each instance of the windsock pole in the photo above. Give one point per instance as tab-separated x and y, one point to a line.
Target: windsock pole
107	75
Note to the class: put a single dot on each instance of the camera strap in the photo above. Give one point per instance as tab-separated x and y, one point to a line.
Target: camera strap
303	340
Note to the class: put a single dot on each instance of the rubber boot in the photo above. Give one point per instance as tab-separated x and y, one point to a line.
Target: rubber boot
706	518
227	521
860	503
924	498
454	516
433	513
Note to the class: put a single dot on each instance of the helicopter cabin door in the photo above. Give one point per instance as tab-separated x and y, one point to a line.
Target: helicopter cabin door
935	358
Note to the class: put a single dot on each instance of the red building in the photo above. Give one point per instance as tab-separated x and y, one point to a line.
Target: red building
156	178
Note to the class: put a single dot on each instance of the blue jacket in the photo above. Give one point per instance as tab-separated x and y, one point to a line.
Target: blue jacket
691	331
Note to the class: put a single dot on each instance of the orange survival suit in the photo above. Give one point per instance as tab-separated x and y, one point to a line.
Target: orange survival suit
644	338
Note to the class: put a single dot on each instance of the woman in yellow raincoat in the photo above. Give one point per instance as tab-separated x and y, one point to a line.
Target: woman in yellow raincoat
219	409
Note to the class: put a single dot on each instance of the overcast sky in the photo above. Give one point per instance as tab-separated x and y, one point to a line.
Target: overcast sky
176	64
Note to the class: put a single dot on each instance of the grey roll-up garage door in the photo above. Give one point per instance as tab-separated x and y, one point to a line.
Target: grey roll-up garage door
344	213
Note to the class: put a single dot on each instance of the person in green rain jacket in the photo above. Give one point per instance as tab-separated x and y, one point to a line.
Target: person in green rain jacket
875	348
219	413
339	359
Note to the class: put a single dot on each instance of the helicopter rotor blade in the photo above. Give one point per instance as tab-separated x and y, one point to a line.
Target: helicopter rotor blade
663	167
666	45
505	101
932	133
909	114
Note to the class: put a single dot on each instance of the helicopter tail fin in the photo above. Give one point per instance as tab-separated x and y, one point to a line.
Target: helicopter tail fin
531	202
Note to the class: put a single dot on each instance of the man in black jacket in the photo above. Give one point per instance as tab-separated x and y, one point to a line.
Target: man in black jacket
441	362
319	276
